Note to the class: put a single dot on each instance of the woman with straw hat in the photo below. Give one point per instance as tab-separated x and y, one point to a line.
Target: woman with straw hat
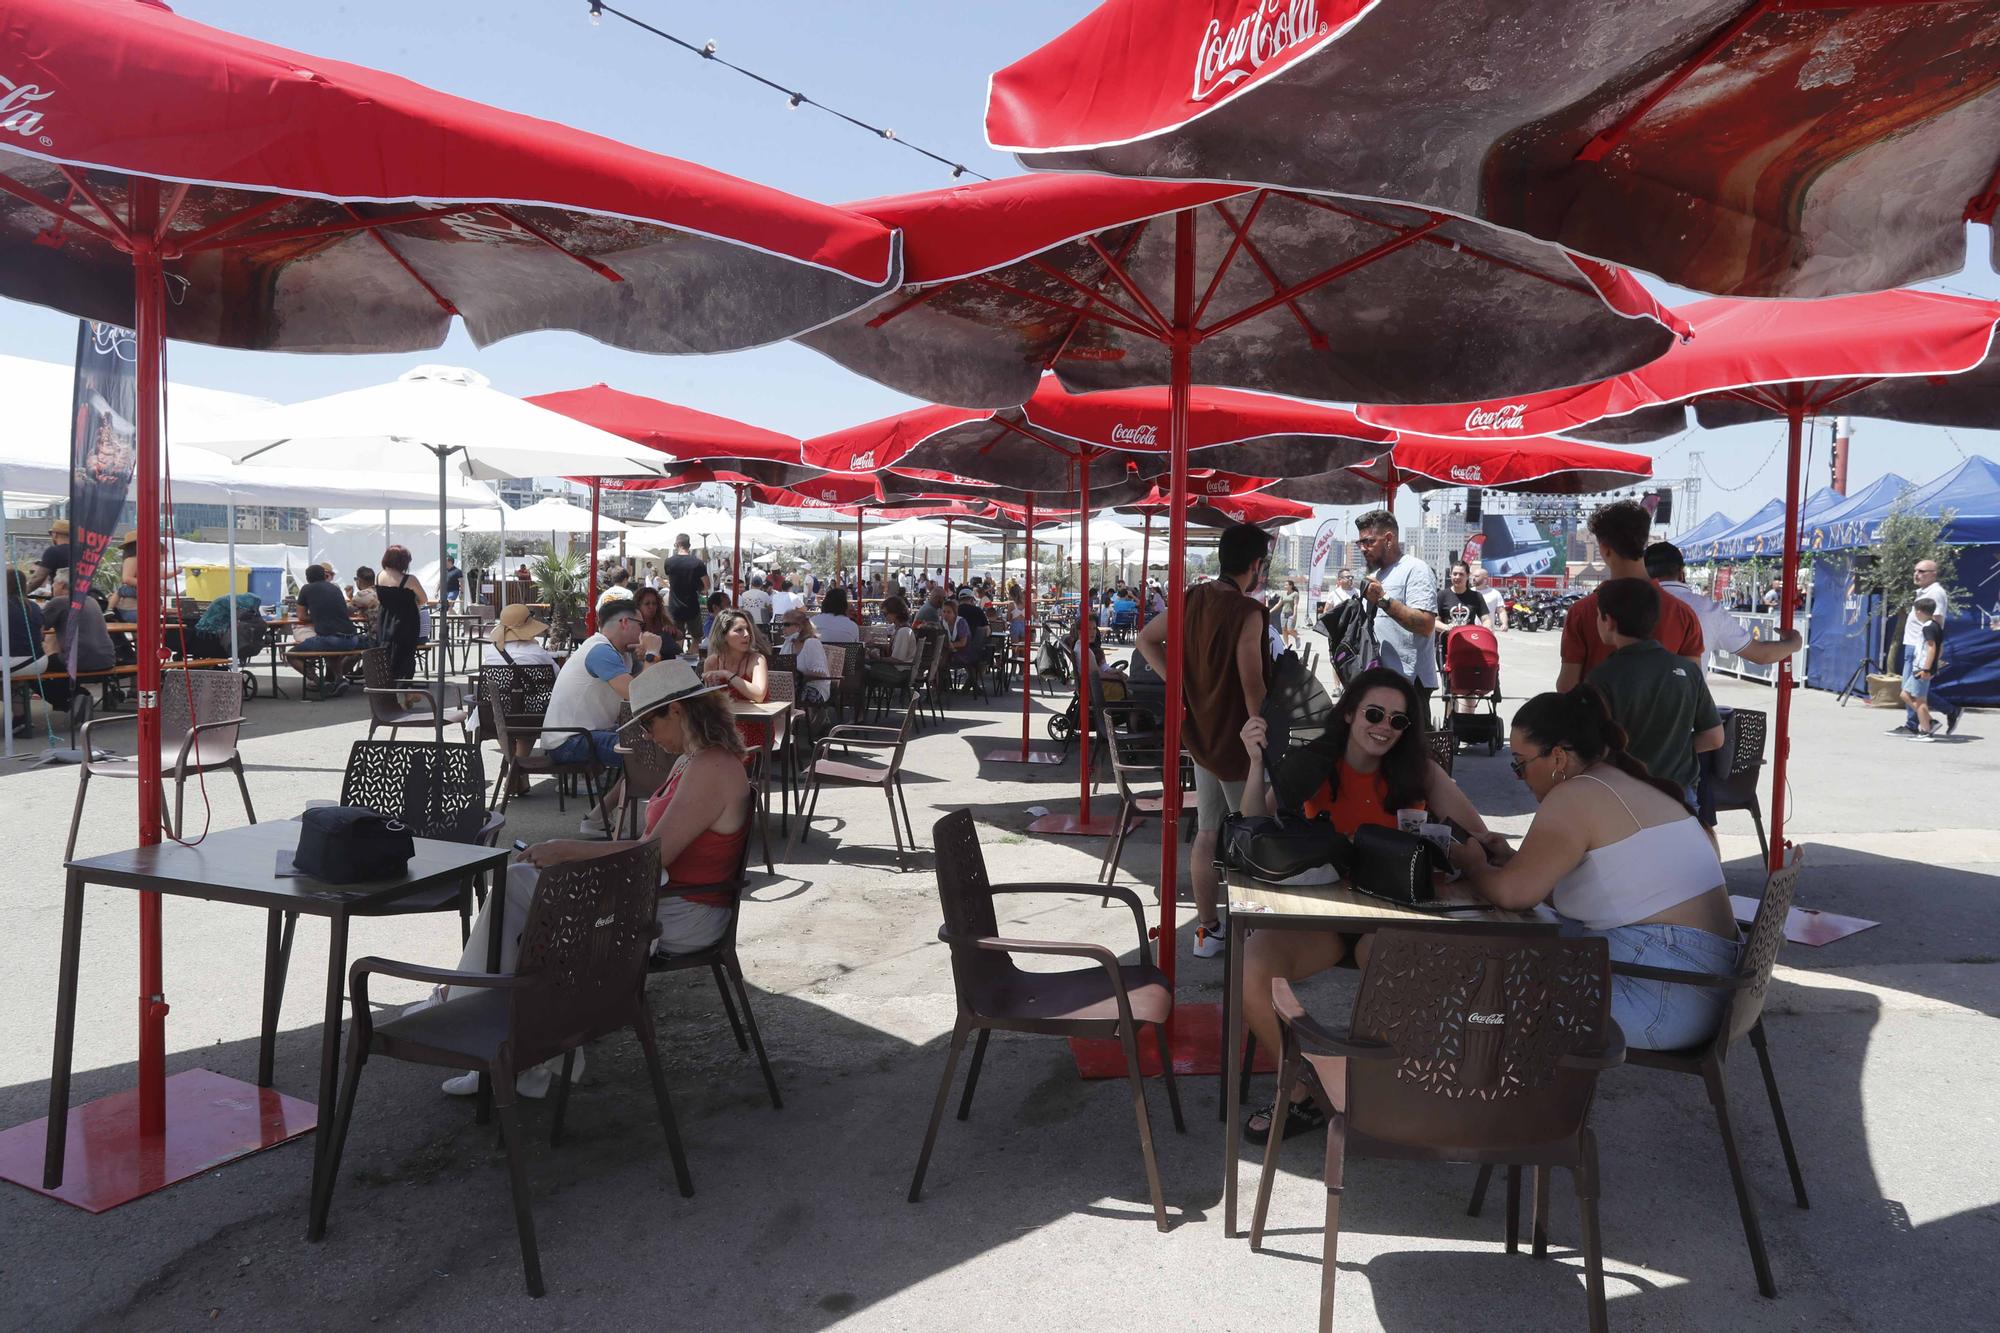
700	818
516	640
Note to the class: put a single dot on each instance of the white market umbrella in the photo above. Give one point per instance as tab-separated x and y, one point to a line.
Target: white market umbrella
704	526
552	515
909	534
417	423
629	553
768	533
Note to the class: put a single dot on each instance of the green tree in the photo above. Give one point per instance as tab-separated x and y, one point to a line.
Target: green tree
1907	538
478	556
559	581
1055	571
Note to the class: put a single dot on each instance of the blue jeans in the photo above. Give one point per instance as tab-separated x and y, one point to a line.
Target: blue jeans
579	750
1665	1015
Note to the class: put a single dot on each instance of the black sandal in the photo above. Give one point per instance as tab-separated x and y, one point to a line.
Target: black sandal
1302	1117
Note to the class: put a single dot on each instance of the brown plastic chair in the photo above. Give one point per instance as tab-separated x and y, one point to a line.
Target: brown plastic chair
781	685
1739	765
1137	770
1465	1046
1744	1017
647	768
721	960
437	791
1444	745
823	768
517	754
201	713
581	976
1107	999
387	695
526	687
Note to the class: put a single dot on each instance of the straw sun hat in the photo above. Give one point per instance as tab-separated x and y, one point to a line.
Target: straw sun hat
664	683
516	625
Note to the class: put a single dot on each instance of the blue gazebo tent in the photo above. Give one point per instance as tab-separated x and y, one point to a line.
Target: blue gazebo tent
1768	538
1771	512
1705	531
1844	524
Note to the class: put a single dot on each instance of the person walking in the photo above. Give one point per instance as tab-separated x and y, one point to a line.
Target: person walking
1225	672
1925	577
1920	668
687	584
1623	531
1404	592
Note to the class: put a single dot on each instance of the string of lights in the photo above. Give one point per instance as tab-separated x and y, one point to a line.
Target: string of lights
793	97
1752	477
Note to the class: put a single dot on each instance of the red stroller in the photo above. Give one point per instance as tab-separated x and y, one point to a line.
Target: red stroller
1471	660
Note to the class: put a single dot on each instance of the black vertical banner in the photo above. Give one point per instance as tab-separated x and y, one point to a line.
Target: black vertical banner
104	452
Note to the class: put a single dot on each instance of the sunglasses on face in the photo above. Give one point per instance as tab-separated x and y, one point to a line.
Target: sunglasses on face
1519	765
1374	713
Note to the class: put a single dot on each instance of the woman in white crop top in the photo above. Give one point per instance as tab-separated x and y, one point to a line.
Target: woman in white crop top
1615	853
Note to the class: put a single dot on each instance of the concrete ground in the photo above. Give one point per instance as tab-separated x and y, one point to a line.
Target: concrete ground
1035	1212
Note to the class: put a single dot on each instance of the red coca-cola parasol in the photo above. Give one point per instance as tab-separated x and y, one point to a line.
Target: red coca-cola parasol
1906	356
208	187
1744	147
1541	466
1262	508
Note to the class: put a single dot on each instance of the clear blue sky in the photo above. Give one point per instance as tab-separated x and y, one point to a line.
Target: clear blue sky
919	68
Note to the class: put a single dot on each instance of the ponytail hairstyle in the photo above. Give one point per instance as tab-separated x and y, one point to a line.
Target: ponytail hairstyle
1580	721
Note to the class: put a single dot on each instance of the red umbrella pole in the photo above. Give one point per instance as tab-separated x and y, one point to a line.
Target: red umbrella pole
858	512
947	548
1084	656
150	319
1027	621
1781	749
1145	567
736	569
1181	350
590	597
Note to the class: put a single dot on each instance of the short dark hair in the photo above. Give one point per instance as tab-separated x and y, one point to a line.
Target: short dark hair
896	609
1346	574
364	576
1664	561
681	540
397	558
1925	605
1241	546
1632	606
1622	528
718	600
1377	519
835	601
315	573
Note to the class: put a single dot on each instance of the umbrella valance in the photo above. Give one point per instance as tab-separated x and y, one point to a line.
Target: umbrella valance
1543	466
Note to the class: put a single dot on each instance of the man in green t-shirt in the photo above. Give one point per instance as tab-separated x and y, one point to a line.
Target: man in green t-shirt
1660	699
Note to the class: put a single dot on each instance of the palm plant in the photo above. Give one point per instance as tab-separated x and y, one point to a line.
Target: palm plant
559	581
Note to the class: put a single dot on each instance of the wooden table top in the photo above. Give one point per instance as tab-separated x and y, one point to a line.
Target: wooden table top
750	708
1342	902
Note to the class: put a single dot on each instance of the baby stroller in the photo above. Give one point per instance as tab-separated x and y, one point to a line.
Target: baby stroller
1471	669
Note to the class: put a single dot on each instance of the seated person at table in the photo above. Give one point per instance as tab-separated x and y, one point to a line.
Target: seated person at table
736	661
834	622
590	689
54	556
700	817
1379	762
1124	608
92	647
651	604
809	654
125	601
889	664
328	630
756	601
957	633
516	640
932	611
24	641
1017	617
1660	701
1617	854
364	601
718	602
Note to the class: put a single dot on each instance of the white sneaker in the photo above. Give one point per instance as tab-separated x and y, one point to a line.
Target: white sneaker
594	826
1211	943
534	1084
1901	729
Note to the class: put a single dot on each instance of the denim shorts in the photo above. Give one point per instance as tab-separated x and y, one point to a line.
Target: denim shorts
1664	1015
578	749
1912	686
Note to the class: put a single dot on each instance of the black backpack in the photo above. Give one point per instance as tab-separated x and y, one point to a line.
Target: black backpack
1350	634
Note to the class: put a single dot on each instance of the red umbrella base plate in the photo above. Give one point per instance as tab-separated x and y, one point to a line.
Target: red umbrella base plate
210	1120
1194	1040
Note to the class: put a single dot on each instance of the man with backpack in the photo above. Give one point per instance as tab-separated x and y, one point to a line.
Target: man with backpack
1225	672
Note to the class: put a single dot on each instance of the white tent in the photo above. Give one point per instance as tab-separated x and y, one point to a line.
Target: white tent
631	552
767	533
704	526
553	514
659	513
1104	536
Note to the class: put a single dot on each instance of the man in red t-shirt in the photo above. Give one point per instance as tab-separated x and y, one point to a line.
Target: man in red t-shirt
1622	531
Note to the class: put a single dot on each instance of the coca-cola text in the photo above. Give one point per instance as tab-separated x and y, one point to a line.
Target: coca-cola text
17	112
1228	56
1511	416
1144	437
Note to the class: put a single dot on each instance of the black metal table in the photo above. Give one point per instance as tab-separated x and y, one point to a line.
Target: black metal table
239	865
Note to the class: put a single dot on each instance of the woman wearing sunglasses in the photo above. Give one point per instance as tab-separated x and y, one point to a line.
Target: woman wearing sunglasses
1616	852
1380	763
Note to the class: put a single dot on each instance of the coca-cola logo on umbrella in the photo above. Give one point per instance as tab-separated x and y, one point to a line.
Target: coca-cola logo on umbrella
1467	472
1145	437
861	462
1271	28
18	114
1510	417
1216	486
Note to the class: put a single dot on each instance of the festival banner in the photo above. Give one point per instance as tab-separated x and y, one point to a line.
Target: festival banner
1325	538
104	452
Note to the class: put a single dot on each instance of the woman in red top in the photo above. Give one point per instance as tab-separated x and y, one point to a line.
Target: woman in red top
1378	730
700	817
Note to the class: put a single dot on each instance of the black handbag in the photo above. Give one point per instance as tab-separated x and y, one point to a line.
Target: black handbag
1284	847
1389	863
345	844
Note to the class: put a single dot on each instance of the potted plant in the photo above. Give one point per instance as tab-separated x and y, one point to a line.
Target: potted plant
559	583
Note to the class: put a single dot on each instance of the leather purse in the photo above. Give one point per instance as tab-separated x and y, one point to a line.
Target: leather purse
1284	848
346	844
1389	863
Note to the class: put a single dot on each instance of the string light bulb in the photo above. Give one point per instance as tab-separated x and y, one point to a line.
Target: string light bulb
794	100
596	13
708	49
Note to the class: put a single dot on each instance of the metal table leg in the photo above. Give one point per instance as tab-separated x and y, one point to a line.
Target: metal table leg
72	942
1232	1060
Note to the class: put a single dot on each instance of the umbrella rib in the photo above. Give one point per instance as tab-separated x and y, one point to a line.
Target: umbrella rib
1029	435
921	296
1580	288
1083	312
1050	270
1400	241
1604	141
376	235
1070	333
356	222
1125	280
230	223
1313	335
1229	255
602	270
81	185
64	213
